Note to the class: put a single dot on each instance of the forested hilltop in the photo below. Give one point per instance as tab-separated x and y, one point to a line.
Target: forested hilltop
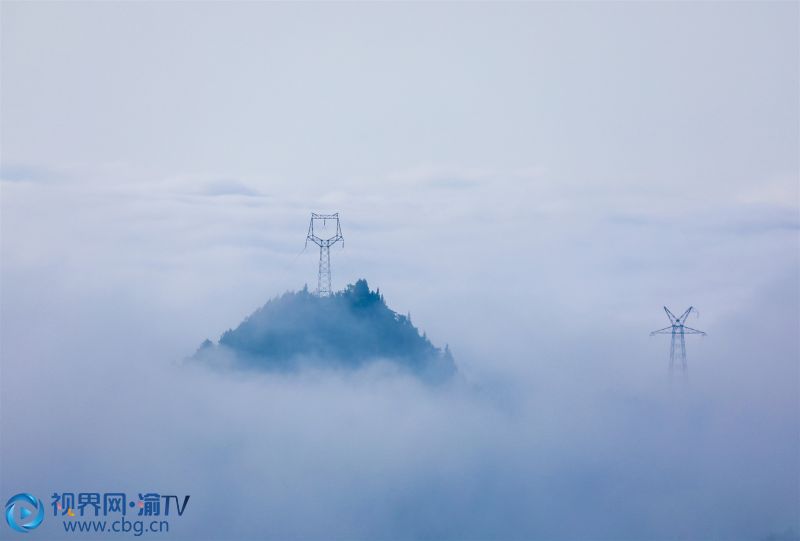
348	329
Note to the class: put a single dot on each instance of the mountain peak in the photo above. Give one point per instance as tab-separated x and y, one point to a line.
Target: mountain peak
349	329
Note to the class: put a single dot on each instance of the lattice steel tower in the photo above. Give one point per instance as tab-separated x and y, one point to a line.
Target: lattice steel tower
324	279
678	330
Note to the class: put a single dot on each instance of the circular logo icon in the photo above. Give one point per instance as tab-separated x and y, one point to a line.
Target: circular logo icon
31	512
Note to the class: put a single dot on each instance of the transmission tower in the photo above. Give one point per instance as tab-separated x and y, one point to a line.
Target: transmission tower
324	279
678	330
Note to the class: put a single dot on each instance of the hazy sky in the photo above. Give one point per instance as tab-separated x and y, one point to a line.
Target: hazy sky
532	181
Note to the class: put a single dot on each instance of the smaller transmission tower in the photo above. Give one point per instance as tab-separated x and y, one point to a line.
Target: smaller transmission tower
318	222
678	330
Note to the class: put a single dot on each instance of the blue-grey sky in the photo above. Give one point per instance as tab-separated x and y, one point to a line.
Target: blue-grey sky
532	181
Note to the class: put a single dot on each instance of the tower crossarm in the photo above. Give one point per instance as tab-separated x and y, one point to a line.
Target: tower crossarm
689	330
324	242
665	330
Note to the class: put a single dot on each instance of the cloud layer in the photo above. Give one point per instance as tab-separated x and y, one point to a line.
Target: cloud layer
533	182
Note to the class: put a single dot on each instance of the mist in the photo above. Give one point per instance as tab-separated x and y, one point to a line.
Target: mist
549	431
531	182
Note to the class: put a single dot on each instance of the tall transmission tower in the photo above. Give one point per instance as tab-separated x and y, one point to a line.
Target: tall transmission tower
318	222
678	330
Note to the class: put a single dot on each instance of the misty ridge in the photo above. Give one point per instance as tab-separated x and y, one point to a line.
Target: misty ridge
348	330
